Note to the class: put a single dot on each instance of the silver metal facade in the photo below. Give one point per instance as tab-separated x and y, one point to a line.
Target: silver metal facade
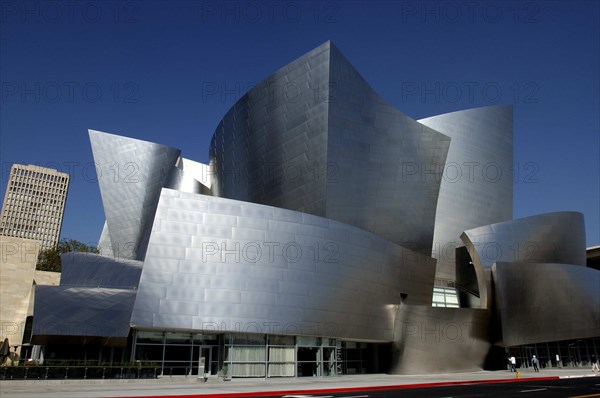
92	270
190	176
550	238
104	243
316	217
182	181
81	311
477	180
271	147
95	298
438	340
130	175
220	264
200	172
540	302
385	168
315	137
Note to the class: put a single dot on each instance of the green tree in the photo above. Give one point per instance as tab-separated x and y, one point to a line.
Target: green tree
49	259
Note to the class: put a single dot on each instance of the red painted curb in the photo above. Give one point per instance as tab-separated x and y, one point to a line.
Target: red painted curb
348	389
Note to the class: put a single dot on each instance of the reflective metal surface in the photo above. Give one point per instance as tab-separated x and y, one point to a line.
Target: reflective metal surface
429	339
271	146
388	167
546	302
550	237
316	217
130	175
238	266
74	311
201	172
180	180
104	244
190	176
477	182
95	298
93	270
315	137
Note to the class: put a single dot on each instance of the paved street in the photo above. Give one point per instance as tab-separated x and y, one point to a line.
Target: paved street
346	385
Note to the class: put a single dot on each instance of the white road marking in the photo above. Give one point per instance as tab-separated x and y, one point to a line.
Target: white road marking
537	389
324	396
307	396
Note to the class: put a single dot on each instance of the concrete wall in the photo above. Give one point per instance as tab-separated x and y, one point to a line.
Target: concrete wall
18	258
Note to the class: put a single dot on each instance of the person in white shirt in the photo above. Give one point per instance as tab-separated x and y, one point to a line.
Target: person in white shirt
535	362
594	361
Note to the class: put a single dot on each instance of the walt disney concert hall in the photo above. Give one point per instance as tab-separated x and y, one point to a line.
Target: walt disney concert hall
328	234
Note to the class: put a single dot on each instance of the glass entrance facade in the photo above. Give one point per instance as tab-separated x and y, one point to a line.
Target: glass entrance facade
250	355
565	353
178	353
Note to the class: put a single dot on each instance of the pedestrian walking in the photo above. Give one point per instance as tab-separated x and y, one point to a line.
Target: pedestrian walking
594	361
535	362
513	364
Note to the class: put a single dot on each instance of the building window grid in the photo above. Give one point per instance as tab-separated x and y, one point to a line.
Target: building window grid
445	297
169	363
262	356
571	353
28	190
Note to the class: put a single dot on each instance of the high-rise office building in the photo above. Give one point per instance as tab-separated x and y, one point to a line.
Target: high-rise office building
34	204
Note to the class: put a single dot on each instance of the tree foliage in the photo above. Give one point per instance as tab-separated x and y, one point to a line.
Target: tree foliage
49	259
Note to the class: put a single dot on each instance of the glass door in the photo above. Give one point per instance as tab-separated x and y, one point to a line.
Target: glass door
309	359
205	361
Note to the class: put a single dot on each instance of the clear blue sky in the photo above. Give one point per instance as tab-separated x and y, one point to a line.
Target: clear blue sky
168	71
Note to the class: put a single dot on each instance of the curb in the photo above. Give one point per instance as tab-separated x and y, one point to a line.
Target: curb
579	376
354	389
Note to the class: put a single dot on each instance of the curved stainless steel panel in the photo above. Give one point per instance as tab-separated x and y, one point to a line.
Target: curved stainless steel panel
386	167
130	175
477	183
180	180
271	146
87	270
550	237
231	265
104	243
199	171
314	137
76	311
437	340
546	302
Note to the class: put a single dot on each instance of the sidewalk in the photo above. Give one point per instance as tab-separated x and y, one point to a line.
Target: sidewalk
191	386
